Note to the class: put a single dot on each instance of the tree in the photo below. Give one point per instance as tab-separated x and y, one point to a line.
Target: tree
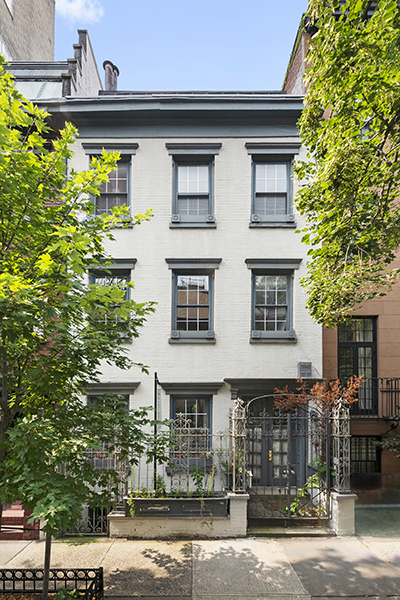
351	180
56	328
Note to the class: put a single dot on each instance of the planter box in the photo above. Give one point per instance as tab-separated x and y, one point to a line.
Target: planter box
182	518
179	507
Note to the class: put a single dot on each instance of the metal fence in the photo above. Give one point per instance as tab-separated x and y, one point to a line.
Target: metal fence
377	397
30	581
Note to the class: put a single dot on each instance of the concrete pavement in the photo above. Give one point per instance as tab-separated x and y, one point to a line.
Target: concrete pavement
246	569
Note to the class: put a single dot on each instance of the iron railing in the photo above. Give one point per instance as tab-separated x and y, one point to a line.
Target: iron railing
378	397
30	581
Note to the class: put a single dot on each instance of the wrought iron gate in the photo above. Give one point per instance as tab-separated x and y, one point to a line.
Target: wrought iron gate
290	459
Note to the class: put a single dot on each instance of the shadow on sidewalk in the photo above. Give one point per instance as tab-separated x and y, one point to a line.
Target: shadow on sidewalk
152	572
342	567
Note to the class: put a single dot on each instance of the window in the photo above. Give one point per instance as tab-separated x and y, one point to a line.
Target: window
357	356
117	273
191	413
193	165
271	299
272	184
192	297
365	454
115	192
272	293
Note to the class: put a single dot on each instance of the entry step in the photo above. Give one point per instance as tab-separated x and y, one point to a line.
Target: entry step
285	532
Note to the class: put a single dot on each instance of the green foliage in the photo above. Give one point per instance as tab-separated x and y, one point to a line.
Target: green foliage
351	180
391	442
66	594
198	476
55	328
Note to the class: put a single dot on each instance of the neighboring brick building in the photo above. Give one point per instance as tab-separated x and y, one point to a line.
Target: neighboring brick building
370	346
27	29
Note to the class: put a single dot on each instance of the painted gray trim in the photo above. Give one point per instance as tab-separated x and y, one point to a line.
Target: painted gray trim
193	263
192	341
199	225
117	263
273	336
273	341
269	264
177	149
192	388
123	388
98	147
257	386
264	224
289	148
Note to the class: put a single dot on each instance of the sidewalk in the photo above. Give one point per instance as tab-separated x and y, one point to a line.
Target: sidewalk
289	569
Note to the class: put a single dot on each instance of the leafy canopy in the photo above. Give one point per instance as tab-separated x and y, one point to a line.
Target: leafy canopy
56	329
351	180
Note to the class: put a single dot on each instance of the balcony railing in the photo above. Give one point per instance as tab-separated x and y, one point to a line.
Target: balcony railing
378	397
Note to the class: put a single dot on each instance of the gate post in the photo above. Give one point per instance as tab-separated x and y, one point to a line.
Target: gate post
343	501
239	446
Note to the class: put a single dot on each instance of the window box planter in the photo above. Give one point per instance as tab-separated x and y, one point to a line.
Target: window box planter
179	507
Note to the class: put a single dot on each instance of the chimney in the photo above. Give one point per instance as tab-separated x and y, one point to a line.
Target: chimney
111	80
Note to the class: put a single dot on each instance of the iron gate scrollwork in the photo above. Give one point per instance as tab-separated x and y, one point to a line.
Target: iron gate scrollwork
286	458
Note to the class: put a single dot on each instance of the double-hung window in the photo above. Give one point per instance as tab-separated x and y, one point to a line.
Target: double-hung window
272	299
118	273
192	299
115	192
272	184
193	190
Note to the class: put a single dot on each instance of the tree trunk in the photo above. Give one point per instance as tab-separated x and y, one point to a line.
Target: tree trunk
46	573
5	419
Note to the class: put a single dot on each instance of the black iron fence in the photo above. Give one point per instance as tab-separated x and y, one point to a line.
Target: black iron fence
378	397
30	581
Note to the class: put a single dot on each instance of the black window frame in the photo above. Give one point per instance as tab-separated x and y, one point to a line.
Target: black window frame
367	388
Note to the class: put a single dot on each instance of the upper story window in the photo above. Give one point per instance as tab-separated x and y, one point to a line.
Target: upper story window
272	299
193	191
118	273
115	192
272	184
193	299
357	355
193	169
271	302
271	189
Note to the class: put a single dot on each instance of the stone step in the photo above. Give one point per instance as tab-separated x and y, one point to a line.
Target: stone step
285	532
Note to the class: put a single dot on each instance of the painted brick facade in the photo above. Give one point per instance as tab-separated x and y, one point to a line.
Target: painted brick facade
27	29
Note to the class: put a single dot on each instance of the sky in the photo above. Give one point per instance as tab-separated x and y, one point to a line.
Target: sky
185	44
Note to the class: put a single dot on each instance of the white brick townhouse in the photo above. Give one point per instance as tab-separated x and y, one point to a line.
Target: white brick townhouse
220	256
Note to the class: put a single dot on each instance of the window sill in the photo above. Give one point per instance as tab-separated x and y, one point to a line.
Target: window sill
273	337
265	224
193	225
194	340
